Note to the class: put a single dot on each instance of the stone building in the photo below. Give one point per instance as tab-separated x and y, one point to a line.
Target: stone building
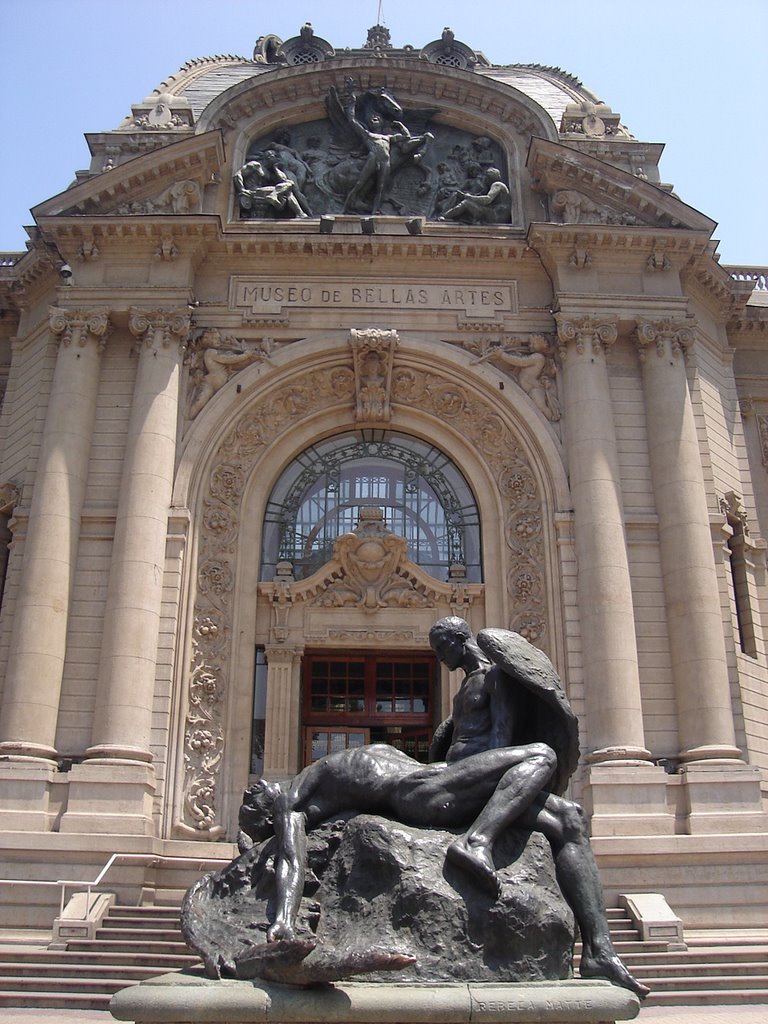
325	345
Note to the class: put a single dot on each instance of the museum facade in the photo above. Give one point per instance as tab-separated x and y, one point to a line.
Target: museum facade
326	345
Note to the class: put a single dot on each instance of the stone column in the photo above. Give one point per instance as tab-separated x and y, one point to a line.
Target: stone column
281	729
38	641
694	616
125	690
611	675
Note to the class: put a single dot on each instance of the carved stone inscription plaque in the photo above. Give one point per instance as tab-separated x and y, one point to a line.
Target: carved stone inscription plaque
260	297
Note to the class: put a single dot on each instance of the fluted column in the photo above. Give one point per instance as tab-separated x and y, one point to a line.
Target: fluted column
705	717
281	729
39	637
609	647
123	712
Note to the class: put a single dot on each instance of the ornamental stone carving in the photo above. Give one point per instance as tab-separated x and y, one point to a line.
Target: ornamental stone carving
373	355
213	359
531	364
373	571
79	326
762	427
183	197
159	327
590	334
10	494
671	337
430	392
571	207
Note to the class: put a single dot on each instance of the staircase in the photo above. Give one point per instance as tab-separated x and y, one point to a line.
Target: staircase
711	970
135	943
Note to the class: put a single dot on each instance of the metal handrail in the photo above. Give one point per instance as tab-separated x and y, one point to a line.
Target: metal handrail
150	859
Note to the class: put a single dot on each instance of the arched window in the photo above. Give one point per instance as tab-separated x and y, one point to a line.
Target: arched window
424	496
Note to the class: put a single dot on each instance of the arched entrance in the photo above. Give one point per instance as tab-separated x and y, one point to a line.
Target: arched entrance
244	444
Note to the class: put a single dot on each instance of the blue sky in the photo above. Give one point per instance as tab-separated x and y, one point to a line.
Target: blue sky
689	74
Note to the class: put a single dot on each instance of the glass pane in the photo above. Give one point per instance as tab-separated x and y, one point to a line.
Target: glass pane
319	745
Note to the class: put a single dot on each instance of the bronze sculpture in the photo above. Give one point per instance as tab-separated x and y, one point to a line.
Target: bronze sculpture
495	775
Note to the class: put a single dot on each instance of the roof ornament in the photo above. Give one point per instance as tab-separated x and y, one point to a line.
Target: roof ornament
450	53
378	38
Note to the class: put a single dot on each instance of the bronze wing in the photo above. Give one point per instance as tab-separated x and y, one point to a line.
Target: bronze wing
551	719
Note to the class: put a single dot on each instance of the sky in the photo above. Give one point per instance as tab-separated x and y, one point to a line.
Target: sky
687	73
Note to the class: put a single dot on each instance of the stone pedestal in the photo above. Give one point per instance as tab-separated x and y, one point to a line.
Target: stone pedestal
628	800
723	798
113	797
26	788
185	997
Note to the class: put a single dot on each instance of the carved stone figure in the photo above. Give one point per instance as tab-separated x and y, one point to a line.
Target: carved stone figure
531	372
575	208
214	359
493	206
493	777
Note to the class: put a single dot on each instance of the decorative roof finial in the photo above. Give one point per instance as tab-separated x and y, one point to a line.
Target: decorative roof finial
378	38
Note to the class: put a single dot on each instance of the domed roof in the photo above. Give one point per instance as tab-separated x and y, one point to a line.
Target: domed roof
200	81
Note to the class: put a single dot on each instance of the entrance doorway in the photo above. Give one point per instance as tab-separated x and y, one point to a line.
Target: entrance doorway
367	697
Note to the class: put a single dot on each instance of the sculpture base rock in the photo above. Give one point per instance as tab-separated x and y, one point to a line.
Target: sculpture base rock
379	889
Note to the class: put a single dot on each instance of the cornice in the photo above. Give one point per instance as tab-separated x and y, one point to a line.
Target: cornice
643	239
559	167
197	157
367	248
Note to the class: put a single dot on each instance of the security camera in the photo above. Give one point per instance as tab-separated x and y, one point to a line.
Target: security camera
66	273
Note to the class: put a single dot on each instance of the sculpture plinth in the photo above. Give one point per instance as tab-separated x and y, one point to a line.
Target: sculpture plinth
183	997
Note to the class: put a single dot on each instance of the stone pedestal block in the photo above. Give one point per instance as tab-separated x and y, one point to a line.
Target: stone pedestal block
26	787
723	798
179	998
628	800
113	797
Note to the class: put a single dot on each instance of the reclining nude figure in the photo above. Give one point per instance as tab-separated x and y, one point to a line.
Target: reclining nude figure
484	791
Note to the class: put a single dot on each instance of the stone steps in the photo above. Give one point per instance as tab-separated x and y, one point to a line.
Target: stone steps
136	943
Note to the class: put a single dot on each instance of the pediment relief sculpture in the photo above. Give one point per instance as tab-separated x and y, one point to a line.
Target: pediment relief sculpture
572	207
371	156
183	197
586	190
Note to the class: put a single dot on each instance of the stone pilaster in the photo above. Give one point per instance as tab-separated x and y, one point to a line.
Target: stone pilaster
39	636
704	713
612	682
281	756
123	713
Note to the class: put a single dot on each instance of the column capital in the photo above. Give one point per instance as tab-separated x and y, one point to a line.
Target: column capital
158	328
591	334
672	336
78	326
